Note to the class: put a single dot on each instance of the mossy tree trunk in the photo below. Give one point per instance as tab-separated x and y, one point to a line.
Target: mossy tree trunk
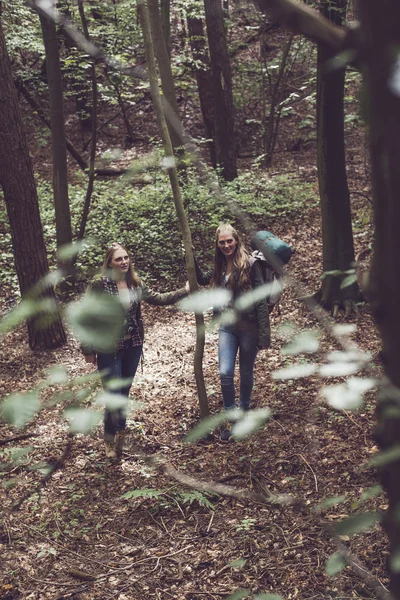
225	143
176	192
337	236
19	188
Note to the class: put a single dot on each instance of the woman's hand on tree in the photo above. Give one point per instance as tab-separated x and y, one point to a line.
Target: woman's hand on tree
187	287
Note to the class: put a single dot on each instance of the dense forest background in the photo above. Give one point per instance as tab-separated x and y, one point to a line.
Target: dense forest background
265	128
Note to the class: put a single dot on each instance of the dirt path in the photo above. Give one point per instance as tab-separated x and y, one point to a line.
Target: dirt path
80	538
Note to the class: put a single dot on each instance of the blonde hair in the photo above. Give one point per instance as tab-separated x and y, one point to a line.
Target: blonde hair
132	278
240	275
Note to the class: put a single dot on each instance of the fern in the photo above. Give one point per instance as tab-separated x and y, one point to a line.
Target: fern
143	493
193	496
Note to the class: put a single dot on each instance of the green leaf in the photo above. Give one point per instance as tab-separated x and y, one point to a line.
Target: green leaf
238	563
250	422
295	371
143	493
329	502
395	561
238	595
371	492
357	523
116	401
259	293
335	563
70	251
57	375
207	425
82	420
268	597
24	310
96	320
198	302
19	409
385	457
305	343
348	281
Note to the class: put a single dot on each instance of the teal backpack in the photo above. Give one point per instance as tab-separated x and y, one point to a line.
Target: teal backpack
265	240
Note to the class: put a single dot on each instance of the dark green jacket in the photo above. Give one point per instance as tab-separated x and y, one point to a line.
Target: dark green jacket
258	313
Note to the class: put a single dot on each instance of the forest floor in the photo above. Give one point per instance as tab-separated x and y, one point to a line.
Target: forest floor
79	537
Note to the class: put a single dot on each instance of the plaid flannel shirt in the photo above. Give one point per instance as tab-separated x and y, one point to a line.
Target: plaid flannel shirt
131	325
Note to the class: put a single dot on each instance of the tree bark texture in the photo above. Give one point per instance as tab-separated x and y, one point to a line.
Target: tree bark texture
19	188
380	30
89	191
58	138
204	81
337	235
167	80
166	23
176	192
225	146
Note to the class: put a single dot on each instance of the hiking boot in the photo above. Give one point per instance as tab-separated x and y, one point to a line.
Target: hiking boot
119	443
226	433
110	449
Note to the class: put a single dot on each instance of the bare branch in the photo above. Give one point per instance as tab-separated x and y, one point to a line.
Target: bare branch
303	19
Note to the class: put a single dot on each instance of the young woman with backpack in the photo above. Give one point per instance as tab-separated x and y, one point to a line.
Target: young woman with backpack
236	270
119	279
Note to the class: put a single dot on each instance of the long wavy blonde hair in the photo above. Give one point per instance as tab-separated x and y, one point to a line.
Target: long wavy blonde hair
132	278
240	276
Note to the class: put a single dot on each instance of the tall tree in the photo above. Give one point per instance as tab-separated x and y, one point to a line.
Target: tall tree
176	192
58	138
167	80
225	146
376	45
19	188
203	77
380	38
337	236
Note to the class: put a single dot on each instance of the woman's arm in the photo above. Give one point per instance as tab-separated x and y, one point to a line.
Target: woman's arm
261	308
203	277
148	295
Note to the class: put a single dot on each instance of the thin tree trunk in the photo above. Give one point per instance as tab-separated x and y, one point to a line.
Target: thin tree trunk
58	138
172	172
225	143
18	183
89	191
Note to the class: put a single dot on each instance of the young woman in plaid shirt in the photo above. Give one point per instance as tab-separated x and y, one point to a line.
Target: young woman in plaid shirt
119	279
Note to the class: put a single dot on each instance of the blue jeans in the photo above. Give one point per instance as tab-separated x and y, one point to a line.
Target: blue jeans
242	337
122	365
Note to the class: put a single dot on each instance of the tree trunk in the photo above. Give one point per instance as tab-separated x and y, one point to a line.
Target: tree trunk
337	236
167	81
166	23
225	147
89	191
176	192
58	138
380	30
204	81
19	188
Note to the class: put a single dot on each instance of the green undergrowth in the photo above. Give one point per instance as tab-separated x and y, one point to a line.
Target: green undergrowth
144	219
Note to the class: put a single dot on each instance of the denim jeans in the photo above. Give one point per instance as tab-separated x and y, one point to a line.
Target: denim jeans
242	337
122	365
